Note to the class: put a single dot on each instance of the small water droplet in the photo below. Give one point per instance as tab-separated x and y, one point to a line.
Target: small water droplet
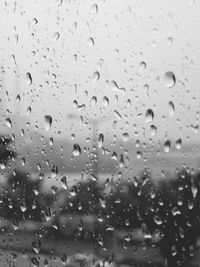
142	65
90	42
105	101
28	78
56	36
174	251
94	9
170	40
139	155
74	191
169	79
54	171
153	130
8	122
117	115
28	111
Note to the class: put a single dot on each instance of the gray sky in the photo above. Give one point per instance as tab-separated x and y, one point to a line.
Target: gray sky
51	40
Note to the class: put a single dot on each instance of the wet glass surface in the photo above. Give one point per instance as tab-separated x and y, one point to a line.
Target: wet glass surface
99	136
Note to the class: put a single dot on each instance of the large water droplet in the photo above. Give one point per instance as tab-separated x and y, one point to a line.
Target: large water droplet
93	101
48	122
95	77
36	244
100	140
149	115
28	78
8	122
64	182
169	79
114	86
94	9
178	143
54	171
125	137
167	146
171	108
105	101
76	150
158	220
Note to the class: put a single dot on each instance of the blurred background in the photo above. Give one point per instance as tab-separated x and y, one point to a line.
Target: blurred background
99	136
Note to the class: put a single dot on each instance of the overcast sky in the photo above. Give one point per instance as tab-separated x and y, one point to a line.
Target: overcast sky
82	50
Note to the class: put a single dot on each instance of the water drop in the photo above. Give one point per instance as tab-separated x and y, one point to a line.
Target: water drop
48	122
100	140
90	42
153	130
139	155
169	79
170	40
8	122
93	101
157	220
56	36
54	171
125	137
114	86
105	101
64	182
174	251
76	150
35	262
167	146
171	108
149	115
28	78
28	111
178	143
117	115
36	244
74	191
142	65
94	9
95	77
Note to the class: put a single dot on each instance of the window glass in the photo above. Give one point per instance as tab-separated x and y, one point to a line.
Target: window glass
99	136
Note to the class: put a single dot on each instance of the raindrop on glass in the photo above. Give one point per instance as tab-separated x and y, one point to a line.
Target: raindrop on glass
171	108
167	146
178	143
169	79
28	78
149	115
48	122
76	150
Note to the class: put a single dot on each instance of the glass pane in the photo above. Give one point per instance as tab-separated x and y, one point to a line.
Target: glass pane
99	137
